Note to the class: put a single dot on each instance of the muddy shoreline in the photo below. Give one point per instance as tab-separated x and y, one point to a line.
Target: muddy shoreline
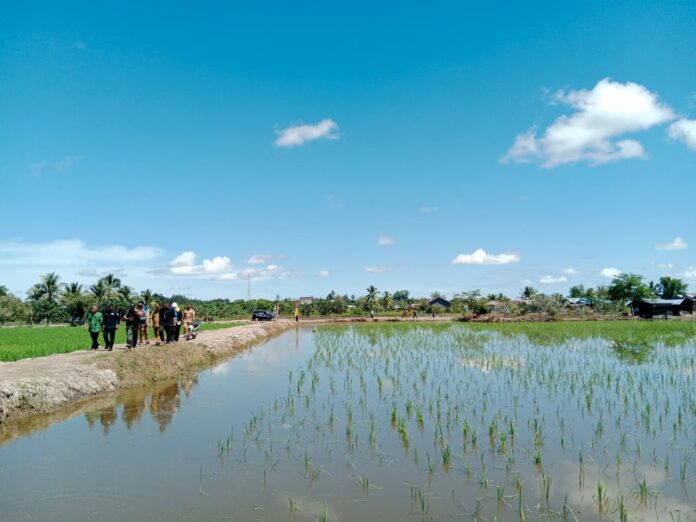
50	385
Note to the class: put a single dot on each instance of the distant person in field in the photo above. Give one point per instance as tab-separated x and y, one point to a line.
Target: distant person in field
111	321
415	314
155	322
132	318
188	317
94	323
143	311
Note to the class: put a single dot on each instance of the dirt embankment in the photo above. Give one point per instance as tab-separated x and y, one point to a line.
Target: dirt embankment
49	384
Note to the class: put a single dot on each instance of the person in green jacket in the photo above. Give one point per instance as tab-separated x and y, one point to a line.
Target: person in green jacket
94	323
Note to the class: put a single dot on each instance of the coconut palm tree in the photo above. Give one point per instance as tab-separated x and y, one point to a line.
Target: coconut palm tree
74	300
50	287
371	297
73	289
146	295
99	291
111	284
35	293
125	292
386	300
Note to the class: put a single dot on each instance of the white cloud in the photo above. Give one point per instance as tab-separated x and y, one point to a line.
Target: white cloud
71	252
427	210
480	257
262	259
685	131
66	163
378	269
37	168
677	243
603	113
385	240
324	273
268	272
300	134
690	273
551	280
570	271
219	267
79	45
610	272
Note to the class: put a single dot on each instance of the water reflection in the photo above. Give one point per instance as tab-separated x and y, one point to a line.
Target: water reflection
162	402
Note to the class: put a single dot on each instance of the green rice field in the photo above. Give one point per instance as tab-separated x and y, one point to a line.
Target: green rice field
38	341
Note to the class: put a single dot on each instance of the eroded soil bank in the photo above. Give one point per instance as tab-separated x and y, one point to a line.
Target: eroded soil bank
49	384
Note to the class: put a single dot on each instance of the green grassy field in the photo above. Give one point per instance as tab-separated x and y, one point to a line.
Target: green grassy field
38	341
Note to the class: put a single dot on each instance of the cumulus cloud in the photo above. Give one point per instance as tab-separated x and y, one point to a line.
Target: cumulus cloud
602	114
385	240
300	134
685	131
570	271
610	272
676	244
218	268
71	252
377	269
690	273
185	264
551	280
481	257
427	210
66	163
324	273
262	259
269	272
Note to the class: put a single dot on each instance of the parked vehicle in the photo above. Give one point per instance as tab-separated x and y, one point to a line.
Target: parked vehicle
261	315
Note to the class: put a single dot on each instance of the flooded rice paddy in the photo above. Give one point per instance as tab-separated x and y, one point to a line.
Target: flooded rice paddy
385	422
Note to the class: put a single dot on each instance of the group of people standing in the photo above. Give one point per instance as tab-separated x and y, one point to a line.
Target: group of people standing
165	320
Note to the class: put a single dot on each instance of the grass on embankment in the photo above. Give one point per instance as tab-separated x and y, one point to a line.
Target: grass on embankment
38	341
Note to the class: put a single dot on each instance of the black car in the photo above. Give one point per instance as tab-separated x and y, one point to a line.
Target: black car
261	315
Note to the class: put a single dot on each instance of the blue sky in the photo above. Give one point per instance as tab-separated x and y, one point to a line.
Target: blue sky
175	143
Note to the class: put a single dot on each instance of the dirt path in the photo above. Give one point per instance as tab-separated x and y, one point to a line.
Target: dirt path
48	384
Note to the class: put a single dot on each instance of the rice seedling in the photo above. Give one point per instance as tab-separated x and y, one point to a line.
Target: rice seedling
582	397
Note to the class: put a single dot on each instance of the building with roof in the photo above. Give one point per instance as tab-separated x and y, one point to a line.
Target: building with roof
668	307
440	301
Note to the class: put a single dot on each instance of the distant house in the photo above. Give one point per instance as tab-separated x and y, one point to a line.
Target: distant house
306	300
578	302
656	307
440	301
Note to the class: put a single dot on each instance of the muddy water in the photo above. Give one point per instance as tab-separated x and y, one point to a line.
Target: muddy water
380	423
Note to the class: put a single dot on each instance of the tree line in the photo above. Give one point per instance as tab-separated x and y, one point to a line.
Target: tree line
51	300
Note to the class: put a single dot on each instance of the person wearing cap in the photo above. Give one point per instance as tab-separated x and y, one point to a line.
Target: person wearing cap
176	322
